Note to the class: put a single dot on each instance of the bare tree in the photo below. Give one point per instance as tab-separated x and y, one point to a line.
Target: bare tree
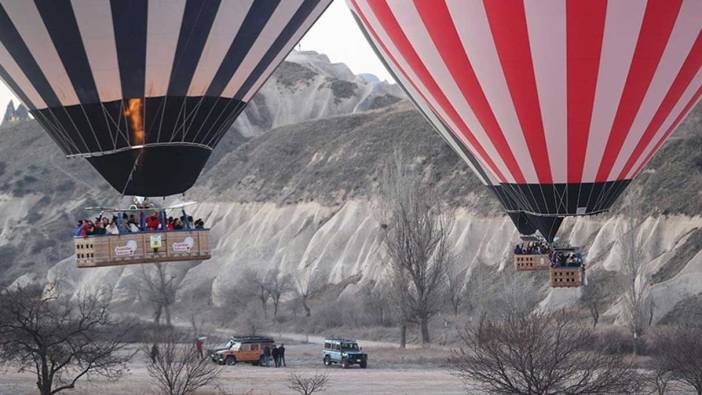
538	354
416	239
678	350
593	298
60	340
177	368
251	286
237	298
376	303
455	284
637	301
658	380
256	285
308	385
399	297
306	288
480	290
498	295
278	285
160	289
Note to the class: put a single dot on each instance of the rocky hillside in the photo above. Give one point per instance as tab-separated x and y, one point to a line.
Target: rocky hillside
292	188
14	115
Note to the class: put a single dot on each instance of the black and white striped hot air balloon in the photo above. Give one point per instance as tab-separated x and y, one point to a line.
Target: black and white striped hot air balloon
145	89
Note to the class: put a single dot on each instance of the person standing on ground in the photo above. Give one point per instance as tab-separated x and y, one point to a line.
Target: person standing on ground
154	353
199	345
281	352
276	356
266	355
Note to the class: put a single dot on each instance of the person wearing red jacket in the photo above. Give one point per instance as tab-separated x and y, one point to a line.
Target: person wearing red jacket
153	223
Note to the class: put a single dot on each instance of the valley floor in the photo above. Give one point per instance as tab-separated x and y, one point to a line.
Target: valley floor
390	371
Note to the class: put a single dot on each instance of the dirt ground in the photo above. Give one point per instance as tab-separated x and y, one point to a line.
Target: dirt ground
390	371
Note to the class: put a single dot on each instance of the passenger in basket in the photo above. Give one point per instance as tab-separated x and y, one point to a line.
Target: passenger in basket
99	229
199	224
78	228
178	224
152	223
123	225
169	223
86	229
133	228
112	227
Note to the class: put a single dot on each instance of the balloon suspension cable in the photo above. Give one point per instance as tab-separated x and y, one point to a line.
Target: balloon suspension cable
550	232
131	172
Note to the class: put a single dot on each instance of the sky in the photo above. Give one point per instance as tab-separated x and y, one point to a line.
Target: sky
335	34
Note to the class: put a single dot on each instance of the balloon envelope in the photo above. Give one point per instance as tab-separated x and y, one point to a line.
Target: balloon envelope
559	104
145	89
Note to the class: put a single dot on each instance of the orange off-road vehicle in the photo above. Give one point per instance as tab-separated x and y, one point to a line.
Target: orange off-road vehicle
241	349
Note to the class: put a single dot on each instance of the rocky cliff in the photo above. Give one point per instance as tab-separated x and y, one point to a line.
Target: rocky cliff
292	188
13	115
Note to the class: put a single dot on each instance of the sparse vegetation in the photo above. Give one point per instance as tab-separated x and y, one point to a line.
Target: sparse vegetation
60	340
158	288
677	357
304	385
415	234
176	367
637	300
539	354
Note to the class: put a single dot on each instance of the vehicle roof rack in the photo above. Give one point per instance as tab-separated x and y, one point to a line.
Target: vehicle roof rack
252	339
339	339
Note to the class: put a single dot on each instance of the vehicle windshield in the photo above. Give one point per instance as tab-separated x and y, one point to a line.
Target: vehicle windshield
222	346
235	346
349	346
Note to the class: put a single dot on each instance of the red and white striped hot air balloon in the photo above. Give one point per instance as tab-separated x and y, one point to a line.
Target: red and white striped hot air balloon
556	104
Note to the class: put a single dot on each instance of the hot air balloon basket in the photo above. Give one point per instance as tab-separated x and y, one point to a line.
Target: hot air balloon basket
531	263
135	248
566	277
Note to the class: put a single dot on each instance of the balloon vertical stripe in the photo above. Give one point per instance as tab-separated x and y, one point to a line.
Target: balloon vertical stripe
657	25
444	37
198	18
129	18
682	80
585	28
509	31
62	27
383	13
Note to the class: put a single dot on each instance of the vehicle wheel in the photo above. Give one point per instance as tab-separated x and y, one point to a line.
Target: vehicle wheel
344	363
327	361
231	361
364	364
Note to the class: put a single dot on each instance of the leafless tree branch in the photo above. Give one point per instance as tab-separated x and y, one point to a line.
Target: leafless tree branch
538	354
62	340
177	368
308	385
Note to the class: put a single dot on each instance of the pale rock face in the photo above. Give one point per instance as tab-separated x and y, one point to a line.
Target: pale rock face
312	88
336	243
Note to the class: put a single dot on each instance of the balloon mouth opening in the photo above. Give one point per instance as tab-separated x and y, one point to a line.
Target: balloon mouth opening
152	170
